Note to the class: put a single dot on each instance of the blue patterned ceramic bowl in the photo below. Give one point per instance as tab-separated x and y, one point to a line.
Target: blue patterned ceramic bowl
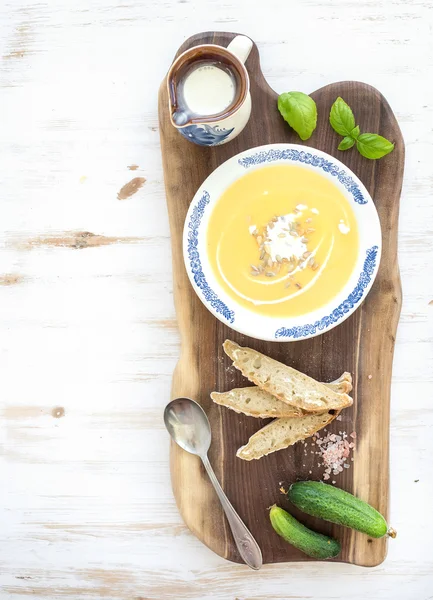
272	328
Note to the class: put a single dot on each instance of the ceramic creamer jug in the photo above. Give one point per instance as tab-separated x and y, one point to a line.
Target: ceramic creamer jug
209	92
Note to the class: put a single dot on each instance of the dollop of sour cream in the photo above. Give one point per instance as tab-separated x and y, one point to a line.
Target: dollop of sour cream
281	242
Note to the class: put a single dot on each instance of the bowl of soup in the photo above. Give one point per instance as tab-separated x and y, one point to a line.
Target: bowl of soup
282	242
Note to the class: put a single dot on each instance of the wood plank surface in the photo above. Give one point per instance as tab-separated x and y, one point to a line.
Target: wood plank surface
86	507
362	345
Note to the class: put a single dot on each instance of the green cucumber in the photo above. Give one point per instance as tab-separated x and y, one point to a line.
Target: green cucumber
311	543
333	504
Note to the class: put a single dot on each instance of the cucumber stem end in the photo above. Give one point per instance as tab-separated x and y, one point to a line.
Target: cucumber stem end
391	533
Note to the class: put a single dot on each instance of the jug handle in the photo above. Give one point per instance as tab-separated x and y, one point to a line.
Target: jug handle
240	46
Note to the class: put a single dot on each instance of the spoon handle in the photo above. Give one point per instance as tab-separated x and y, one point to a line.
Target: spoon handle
245	543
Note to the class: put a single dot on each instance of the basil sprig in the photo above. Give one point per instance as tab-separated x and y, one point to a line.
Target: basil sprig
370	145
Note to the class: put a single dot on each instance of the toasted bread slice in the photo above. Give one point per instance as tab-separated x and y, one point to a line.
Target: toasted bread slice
283	382
281	433
255	402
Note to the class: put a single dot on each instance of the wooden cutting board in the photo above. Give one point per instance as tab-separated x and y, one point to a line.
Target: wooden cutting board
363	344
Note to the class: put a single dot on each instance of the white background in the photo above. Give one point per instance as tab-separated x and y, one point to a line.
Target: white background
86	505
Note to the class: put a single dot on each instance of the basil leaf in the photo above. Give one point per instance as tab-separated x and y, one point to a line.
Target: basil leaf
372	145
341	117
346	143
355	132
300	112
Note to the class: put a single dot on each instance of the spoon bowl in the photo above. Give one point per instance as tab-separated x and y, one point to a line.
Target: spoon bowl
188	425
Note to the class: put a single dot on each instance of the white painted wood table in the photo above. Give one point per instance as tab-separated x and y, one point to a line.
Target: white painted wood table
88	337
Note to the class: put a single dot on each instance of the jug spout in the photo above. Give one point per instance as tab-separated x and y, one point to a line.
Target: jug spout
179	117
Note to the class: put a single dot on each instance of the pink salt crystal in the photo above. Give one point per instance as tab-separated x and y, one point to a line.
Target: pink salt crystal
353	435
333	450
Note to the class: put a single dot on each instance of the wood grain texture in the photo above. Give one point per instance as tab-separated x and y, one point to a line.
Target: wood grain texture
362	345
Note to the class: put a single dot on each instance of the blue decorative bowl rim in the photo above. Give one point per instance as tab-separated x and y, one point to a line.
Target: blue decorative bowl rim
272	328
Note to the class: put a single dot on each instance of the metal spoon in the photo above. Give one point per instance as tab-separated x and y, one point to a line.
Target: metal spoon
189	427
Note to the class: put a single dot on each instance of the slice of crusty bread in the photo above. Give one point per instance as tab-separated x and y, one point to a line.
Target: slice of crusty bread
282	433
255	402
283	382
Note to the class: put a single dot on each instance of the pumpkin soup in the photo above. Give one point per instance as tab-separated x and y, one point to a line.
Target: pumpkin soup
282	240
